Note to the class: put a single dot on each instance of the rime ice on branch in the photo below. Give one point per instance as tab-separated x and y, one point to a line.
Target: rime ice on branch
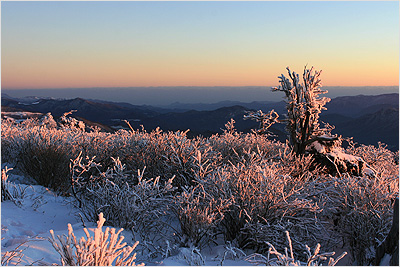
71	123
266	120
104	249
304	104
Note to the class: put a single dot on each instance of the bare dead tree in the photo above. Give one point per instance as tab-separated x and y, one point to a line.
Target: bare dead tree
304	106
306	136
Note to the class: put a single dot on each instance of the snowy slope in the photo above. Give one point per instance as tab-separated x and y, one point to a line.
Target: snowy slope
40	210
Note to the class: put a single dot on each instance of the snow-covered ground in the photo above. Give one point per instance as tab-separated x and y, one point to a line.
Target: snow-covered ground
38	210
30	221
41	210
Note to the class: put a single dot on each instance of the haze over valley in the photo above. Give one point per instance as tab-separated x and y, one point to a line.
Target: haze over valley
368	118
165	96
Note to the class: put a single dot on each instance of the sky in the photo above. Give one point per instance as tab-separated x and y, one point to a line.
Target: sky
128	44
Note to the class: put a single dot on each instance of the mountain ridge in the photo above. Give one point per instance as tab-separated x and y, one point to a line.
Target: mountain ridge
352	115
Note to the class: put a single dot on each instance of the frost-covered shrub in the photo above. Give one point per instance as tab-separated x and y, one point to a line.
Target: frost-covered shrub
46	163
104	249
232	145
199	214
41	152
10	139
362	212
382	160
275	258
162	154
48	121
128	201
168	154
241	187
71	123
11	191
299	167
258	190
192	256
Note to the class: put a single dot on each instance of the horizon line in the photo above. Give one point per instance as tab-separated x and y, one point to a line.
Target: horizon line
185	86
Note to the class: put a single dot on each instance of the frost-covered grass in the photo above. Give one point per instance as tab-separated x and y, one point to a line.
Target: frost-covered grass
102	249
276	258
173	192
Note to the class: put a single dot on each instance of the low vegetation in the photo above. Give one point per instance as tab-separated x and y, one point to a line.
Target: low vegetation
241	188
244	189
102	249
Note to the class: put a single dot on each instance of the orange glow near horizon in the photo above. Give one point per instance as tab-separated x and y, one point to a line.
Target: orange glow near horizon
42	77
115	71
138	44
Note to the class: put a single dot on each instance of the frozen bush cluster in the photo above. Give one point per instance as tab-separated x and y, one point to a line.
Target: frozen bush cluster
128	201
174	192
177	195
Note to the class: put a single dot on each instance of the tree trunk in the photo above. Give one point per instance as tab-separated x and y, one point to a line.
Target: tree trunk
336	162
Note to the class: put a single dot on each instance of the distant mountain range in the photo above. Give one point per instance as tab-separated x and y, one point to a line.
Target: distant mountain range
368	119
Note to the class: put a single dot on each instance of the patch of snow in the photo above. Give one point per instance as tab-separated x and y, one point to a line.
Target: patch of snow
385	260
41	211
318	147
341	155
